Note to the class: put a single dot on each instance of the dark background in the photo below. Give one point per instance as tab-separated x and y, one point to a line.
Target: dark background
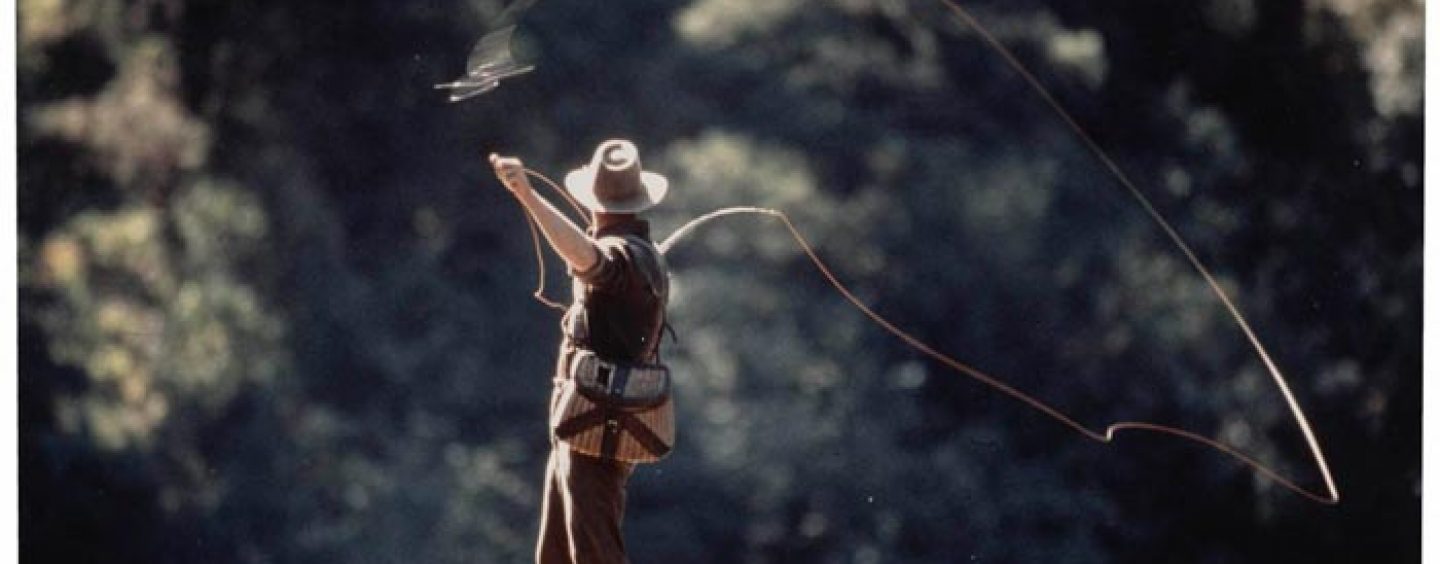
274	307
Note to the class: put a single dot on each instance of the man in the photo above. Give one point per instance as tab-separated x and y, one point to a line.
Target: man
620	289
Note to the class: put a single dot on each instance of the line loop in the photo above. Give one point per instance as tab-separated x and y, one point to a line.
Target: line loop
1259	348
1107	437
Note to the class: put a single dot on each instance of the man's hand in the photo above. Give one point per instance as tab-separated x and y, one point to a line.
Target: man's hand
564	236
511	173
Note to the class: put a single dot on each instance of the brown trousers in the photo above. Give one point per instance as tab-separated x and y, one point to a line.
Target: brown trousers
584	503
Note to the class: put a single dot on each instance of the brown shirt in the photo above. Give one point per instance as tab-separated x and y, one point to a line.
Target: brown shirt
620	301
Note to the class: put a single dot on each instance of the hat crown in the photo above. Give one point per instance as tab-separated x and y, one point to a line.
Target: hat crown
618	155
617	171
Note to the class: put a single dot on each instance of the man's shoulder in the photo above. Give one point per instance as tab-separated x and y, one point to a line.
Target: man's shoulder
643	258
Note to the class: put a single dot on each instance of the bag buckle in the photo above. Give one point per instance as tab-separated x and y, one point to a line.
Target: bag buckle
604	369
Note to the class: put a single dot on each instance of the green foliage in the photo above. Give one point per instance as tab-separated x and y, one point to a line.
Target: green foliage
274	307
159	327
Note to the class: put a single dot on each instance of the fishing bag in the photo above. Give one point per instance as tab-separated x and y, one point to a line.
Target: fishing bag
611	409
615	411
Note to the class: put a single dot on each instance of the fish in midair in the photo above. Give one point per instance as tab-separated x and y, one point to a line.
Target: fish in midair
490	61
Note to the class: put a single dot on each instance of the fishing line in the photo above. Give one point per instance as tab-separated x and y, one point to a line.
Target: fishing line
1332	495
574	205
1106	437
1260	350
916	343
539	293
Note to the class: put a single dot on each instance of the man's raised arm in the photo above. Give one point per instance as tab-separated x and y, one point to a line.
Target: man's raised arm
565	237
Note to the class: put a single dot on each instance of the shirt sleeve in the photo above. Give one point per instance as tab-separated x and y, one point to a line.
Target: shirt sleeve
616	266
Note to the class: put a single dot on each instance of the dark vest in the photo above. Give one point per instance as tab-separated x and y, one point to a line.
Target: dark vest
622	320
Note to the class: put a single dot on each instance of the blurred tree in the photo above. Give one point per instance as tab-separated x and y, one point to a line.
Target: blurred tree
274	308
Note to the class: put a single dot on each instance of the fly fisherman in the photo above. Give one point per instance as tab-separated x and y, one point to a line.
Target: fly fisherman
611	405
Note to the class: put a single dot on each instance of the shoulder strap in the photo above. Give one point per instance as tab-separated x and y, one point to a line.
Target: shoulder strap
657	277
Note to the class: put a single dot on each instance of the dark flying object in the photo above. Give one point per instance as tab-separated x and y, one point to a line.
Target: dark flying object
491	61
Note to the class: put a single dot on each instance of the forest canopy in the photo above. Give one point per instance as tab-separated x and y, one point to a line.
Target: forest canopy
275	307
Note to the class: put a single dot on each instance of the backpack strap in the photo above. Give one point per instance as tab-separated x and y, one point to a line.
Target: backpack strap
657	277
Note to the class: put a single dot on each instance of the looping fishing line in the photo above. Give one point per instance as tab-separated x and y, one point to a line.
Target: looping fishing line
1259	348
1107	436
1332	495
539	292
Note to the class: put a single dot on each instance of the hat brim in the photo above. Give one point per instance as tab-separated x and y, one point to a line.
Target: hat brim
581	184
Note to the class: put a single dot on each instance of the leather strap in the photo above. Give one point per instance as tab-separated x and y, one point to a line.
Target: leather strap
609	435
643	435
579	423
618	379
610	441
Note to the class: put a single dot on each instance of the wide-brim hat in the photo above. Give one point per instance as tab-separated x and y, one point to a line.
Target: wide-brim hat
614	181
